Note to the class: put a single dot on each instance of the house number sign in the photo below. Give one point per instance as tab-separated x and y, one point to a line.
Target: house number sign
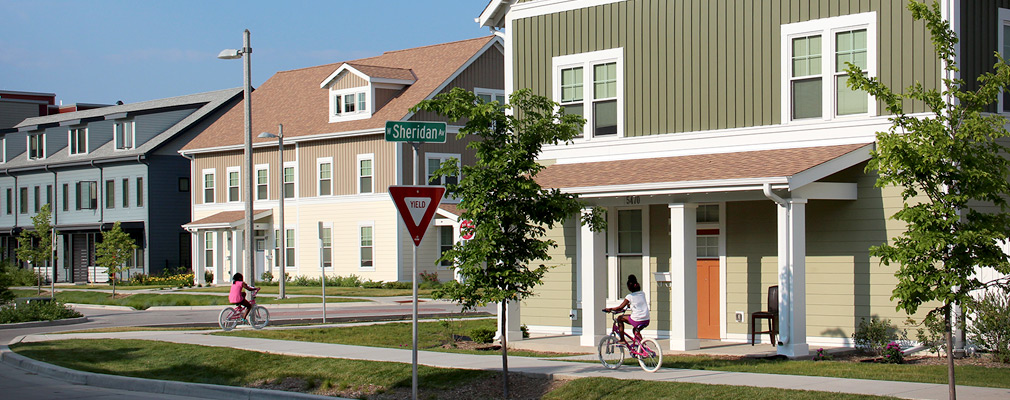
632	199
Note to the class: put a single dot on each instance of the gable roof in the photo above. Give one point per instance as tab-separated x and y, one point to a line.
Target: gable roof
294	98
373	73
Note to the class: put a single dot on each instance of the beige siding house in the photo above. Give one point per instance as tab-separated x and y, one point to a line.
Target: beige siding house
337	166
729	155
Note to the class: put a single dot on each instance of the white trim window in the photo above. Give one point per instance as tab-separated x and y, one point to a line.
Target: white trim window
208	186
290	178
124	135
489	95
262	182
432	162
234	184
208	249
366	248
815	55
289	247
324	175
78	140
326	245
349	104
1003	31
36	146
366	173
592	85
445	243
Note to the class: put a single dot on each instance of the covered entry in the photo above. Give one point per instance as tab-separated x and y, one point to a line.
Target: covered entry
218	245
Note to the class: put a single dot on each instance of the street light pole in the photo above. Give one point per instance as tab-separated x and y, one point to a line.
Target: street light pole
250	243
281	245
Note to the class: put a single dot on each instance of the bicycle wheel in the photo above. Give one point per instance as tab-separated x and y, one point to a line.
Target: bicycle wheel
611	352
652	355
227	319
259	317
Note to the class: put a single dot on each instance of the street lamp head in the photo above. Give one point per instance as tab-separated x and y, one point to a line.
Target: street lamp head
229	54
267	135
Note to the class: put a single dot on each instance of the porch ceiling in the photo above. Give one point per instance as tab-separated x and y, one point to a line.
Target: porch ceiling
783	168
225	219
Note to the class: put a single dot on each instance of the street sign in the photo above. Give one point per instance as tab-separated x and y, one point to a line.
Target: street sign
417	205
467	229
408	131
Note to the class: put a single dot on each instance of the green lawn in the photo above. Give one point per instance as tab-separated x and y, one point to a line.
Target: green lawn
143	301
431	336
330	291
347	378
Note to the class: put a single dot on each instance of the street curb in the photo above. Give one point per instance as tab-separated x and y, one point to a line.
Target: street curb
56	322
101	306
148	385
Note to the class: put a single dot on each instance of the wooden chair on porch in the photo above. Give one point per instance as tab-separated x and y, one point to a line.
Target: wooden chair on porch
772	315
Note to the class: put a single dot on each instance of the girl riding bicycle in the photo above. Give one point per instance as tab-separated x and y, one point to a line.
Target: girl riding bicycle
639	318
237	295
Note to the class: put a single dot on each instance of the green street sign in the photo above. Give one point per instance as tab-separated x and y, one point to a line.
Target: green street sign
425	132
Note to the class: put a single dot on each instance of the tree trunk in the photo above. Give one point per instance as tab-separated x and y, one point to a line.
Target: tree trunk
952	392
504	350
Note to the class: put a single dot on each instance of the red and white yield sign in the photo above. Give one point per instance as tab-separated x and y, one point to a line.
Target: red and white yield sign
417	205
467	229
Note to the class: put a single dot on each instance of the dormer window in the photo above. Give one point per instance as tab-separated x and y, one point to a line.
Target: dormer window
37	146
124	136
349	104
358	90
78	139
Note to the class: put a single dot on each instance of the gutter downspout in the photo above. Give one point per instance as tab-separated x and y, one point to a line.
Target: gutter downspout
785	296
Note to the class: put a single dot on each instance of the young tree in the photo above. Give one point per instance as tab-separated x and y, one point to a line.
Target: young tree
36	247
114	251
944	163
499	193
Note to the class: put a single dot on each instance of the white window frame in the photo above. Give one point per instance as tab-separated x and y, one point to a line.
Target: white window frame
452	242
227	177
203	185
359	112
41	139
441	159
256	180
209	240
72	140
3	150
1003	20
587	61
329	225
117	127
292	236
827	28
357	172
319	177
362	224
496	94
294	166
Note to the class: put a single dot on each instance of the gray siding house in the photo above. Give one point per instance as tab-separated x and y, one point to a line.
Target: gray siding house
99	166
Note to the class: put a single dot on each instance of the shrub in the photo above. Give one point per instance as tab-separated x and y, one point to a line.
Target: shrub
482	335
931	334
208	276
370	284
872	336
397	285
822	356
267	276
990	324
302	280
139	279
36	311
892	354
19	276
6	295
525	330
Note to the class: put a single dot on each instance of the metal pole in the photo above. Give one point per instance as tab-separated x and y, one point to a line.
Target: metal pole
283	245
413	274
250	267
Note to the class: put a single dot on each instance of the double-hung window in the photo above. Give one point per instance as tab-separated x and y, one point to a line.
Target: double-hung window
10	201
208	250
325	176
591	85
87	195
23	200
38	199
816	55
140	191
78	138
365	173
37	146
289	181
124	137
289	247
233	186
433	161
327	246
126	192
445	242
208	186
262	182
365	246
110	193
65	198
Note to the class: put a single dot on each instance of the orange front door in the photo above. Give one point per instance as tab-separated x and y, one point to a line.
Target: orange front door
708	298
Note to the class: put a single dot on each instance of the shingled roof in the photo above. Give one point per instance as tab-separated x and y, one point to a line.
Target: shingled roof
294	98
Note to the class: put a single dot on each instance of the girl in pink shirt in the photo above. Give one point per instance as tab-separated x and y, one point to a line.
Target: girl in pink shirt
237	296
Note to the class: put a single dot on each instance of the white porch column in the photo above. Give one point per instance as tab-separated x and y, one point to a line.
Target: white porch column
684	274
512	315
593	264
792	252
198	267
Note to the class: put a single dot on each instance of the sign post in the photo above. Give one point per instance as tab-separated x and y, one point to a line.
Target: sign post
416	133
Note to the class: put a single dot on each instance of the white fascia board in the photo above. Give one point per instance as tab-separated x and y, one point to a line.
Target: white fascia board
401	82
344	67
331	135
494	13
535	8
199	227
659	188
490	44
827	191
829	167
448	215
241	222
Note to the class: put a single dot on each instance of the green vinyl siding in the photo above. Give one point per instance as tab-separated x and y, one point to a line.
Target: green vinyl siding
698	65
979	38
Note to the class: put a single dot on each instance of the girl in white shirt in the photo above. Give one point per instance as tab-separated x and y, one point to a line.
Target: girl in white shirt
639	318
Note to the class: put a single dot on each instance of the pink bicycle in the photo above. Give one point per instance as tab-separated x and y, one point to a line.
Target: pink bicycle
612	350
230	317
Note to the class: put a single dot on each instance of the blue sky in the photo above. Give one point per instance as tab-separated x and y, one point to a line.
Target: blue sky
101	51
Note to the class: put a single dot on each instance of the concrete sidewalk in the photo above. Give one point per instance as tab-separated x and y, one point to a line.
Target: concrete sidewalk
548	367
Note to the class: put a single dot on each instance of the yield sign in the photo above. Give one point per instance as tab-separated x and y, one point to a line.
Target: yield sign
416	204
